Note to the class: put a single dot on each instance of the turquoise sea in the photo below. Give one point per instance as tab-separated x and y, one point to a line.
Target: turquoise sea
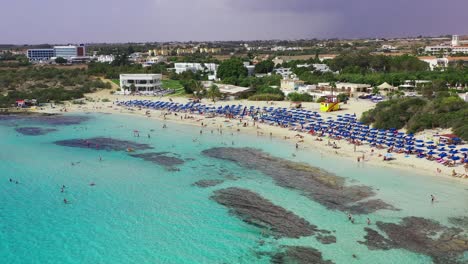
141	212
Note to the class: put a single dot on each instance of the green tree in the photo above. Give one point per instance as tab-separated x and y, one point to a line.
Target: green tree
265	66
232	68
213	93
297	97
60	60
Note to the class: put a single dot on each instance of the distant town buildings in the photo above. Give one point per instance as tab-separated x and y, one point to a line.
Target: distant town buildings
67	52
457	45
182	51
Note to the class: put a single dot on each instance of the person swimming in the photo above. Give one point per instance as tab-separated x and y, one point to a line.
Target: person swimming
432	198
368	221
65	201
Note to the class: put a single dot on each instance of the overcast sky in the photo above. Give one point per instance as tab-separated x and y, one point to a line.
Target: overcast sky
80	21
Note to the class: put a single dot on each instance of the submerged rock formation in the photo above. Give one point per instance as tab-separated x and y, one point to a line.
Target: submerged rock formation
460	221
207	183
256	210
160	158
321	186
299	255
34	131
103	143
59	120
443	244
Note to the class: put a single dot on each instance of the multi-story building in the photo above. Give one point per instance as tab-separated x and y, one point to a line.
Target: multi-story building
181	67
40	54
141	82
456	46
70	51
66	52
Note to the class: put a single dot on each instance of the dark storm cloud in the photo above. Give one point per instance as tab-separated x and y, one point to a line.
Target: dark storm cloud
59	21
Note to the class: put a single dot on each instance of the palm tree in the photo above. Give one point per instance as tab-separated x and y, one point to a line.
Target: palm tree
213	93
198	89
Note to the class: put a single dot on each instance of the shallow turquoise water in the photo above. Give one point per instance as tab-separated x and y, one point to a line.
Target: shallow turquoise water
139	212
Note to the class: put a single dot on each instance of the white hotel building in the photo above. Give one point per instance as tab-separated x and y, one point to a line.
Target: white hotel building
456	46
181	67
142	82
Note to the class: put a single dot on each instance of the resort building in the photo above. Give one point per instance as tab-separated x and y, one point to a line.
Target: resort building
457	45
66	52
40	54
140	82
181	67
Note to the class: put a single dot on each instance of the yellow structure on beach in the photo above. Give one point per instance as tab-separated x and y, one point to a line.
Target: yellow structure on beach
330	104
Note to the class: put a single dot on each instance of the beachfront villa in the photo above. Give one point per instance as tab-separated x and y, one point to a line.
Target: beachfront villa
143	83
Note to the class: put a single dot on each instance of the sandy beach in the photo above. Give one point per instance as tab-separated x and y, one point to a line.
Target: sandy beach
305	141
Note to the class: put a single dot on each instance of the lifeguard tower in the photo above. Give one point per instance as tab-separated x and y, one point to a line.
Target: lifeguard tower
330	104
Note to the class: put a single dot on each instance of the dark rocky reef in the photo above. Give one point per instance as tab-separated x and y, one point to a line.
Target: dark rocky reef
321	186
459	221
299	255
60	120
445	245
103	143
160	158
256	210
48	119
326	239
34	131
207	183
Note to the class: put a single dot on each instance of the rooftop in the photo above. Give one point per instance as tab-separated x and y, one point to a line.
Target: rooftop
232	89
138	75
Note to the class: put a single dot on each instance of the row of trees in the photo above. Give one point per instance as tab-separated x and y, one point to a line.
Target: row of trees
417	114
366	63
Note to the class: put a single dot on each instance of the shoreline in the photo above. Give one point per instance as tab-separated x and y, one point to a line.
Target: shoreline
346	150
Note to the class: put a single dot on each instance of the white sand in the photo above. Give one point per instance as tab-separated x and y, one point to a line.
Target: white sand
309	143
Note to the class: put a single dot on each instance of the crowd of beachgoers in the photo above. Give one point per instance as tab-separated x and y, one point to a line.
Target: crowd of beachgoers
387	145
